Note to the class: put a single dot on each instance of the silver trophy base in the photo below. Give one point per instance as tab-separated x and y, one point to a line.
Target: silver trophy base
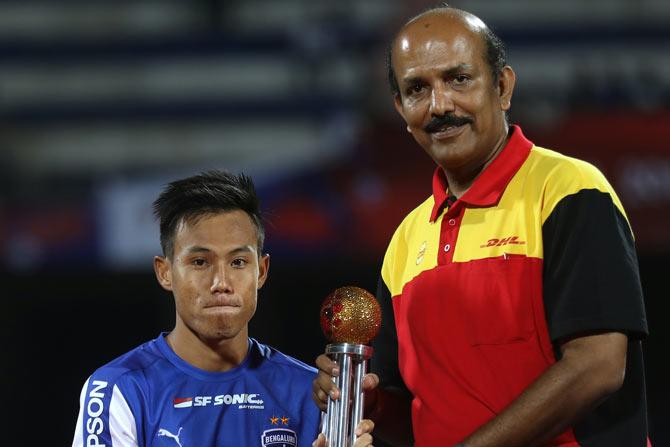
342	416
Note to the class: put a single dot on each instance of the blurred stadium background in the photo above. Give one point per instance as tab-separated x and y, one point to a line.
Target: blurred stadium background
102	103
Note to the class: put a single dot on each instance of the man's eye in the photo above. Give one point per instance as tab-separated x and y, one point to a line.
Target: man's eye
239	262
199	262
461	79
413	89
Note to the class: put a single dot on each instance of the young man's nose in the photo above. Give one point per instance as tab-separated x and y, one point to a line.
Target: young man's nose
221	281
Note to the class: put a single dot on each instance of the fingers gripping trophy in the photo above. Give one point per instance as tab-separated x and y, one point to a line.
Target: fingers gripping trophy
350	318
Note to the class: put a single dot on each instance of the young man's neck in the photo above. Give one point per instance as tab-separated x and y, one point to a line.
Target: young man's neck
214	355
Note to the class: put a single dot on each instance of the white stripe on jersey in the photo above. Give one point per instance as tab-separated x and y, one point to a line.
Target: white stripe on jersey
121	421
122	427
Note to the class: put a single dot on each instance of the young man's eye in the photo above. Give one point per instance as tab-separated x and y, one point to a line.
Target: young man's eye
239	262
199	262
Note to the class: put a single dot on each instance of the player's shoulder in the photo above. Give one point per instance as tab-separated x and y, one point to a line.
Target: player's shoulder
558	178
575	174
133	362
273	358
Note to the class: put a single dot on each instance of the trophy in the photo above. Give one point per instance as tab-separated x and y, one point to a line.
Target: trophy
350	318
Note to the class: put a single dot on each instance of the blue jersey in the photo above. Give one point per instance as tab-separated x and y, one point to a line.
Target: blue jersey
151	397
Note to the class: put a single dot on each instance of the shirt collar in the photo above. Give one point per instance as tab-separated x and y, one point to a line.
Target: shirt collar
489	186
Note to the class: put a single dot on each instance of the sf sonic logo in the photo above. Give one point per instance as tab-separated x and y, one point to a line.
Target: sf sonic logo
279	437
244	400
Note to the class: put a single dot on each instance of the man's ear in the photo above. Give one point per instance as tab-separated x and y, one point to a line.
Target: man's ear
506	84
263	268
163	270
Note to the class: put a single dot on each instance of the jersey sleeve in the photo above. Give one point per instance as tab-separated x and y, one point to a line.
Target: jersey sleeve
591	278
105	418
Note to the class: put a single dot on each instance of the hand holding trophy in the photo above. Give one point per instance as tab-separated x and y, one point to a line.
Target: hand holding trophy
350	317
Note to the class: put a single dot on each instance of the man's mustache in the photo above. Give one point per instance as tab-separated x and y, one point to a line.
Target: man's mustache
446	120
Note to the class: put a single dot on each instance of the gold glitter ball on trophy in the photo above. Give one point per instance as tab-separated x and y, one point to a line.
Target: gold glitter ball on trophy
350	315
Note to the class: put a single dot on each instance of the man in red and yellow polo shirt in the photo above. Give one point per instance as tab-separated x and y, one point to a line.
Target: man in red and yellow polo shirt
512	306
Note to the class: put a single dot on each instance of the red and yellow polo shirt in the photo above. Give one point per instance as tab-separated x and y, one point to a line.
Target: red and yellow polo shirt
476	293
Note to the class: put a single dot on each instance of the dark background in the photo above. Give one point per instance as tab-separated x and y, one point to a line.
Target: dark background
101	103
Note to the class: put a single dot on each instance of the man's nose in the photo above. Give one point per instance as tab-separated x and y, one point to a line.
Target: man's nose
221	281
441	101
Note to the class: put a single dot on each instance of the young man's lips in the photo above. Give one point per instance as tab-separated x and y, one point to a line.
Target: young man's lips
447	132
221	309
222	304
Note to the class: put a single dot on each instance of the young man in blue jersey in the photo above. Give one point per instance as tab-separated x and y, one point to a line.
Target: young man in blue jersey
206	383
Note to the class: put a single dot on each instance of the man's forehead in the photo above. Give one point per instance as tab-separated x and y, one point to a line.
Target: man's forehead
433	46
447	17
433	30
438	51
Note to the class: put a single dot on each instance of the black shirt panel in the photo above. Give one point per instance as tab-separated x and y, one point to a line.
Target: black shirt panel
591	284
591	280
384	361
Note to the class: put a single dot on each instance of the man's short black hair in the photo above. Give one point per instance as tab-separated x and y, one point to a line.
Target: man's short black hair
495	55
206	193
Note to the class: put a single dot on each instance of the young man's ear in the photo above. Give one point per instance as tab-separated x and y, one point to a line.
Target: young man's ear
163	270
263	267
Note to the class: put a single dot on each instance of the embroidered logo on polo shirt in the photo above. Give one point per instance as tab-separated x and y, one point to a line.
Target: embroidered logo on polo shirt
422	252
279	437
512	240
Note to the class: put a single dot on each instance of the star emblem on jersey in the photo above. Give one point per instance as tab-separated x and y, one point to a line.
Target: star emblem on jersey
274	420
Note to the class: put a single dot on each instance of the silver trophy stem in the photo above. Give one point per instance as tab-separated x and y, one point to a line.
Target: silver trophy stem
343	415
359	398
333	415
329	418
345	396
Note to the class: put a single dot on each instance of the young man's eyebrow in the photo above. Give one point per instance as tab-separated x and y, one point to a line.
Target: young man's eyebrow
237	250
242	249
197	249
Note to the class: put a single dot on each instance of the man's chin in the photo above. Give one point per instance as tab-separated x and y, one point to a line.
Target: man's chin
448	156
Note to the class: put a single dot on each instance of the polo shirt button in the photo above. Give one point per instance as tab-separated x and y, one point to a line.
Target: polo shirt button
452	222
447	247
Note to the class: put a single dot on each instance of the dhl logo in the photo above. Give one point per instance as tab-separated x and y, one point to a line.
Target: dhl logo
512	240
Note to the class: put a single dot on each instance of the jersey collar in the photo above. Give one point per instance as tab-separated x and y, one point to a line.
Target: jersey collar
198	373
489	186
